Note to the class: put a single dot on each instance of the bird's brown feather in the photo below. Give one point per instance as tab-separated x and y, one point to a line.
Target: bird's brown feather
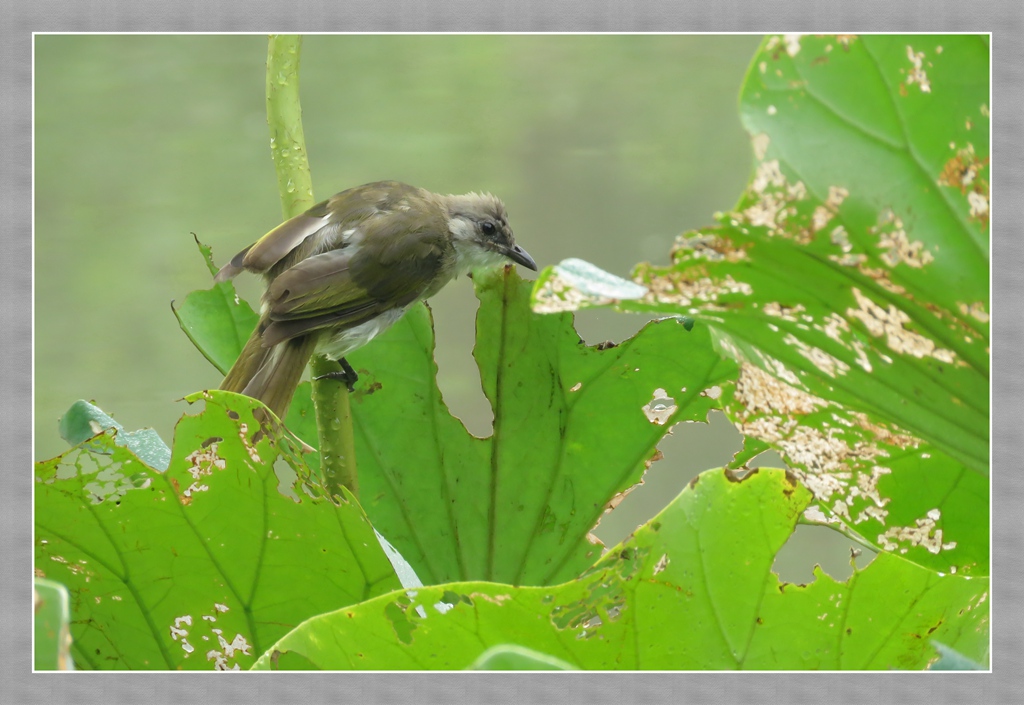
362	253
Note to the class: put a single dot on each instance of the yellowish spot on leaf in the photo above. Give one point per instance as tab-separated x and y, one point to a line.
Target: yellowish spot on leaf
890	323
660	409
760	142
917	73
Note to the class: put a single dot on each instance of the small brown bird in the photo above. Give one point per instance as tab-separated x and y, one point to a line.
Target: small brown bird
344	271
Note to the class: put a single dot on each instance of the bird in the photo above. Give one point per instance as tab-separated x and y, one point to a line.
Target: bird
344	271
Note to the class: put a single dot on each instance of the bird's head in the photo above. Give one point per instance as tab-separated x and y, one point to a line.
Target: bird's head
481	233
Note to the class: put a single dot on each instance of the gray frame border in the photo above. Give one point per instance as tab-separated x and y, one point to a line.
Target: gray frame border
1002	18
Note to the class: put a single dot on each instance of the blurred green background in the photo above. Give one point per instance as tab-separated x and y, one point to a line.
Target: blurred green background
602	147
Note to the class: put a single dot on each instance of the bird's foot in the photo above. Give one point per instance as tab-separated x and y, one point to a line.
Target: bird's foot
346	374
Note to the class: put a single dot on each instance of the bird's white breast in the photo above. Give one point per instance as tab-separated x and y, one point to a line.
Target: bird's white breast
340	343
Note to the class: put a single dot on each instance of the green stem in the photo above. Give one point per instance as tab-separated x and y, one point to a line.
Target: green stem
284	116
334	428
288	148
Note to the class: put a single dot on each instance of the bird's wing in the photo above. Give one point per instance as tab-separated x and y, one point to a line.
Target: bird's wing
269	249
399	258
343	210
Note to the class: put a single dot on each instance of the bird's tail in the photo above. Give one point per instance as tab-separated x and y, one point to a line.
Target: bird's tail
270	374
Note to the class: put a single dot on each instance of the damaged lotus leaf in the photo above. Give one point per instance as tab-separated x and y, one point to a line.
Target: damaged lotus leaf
574	427
83	421
854	272
692	589
894	490
207	564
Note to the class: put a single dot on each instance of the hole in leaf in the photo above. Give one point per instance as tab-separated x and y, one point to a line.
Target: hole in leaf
601	326
458	377
691	449
286	478
818	545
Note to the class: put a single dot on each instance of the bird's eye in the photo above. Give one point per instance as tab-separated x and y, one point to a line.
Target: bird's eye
488	227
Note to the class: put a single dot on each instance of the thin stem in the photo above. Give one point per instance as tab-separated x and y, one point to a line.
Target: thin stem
334	428
284	116
288	148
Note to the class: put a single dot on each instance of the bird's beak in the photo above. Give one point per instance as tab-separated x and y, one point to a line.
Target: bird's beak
520	256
